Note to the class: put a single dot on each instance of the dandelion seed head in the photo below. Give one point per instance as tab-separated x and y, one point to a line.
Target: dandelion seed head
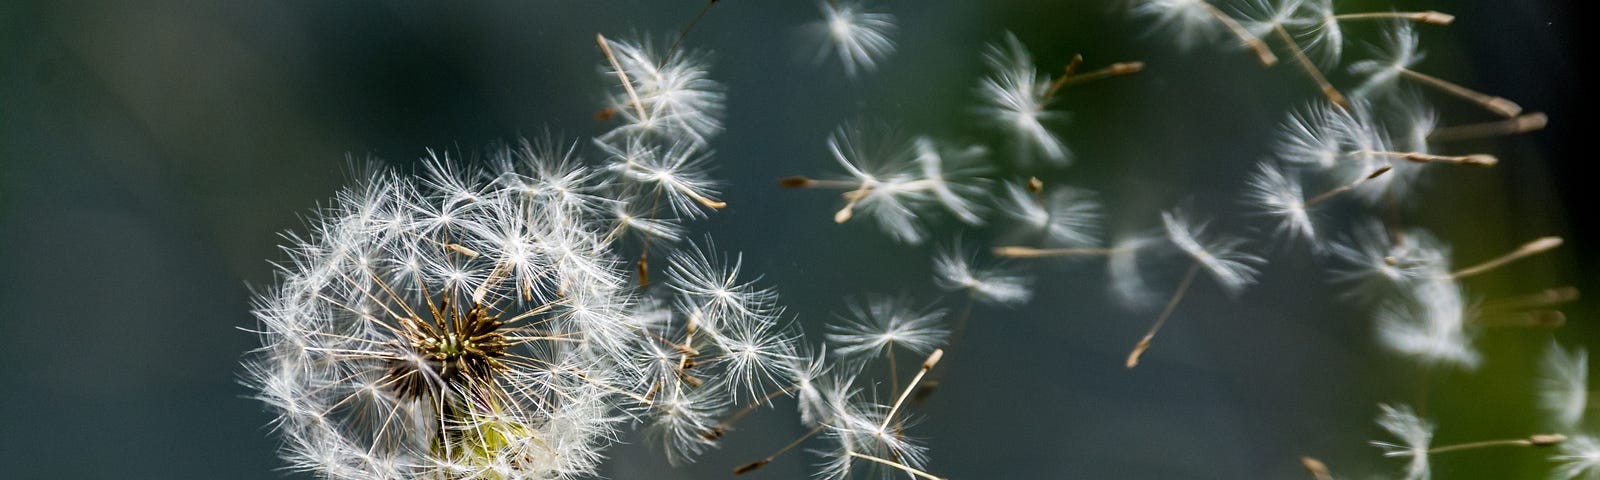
474	322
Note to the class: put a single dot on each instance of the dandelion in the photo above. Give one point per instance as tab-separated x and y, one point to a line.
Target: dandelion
475	323
392	346
1376	261
854	33
1564	384
1579	457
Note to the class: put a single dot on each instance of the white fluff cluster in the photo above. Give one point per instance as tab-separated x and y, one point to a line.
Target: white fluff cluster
481	322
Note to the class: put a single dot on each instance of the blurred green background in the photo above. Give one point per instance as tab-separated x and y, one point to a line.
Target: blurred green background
150	152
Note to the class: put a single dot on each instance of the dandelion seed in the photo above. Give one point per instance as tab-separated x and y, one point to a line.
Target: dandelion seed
711	285
1564	384
863	429
1063	216
1535	247
1316	468
1192	21
827	391
681	417
1429	322
1231	268
954	271
877	324
855	34
951	177
1524	123
1320	28
1321	135
809	371
1414	435
1394	59
1015	98
666	94
884	184
1279	195
1508	311
1264	17
679	174
1124	266
1375	263
1324	29
1579	457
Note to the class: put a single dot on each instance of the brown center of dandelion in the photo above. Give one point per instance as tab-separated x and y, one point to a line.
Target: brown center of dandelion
456	350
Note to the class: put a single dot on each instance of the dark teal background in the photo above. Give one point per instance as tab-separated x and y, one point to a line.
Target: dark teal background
151	151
